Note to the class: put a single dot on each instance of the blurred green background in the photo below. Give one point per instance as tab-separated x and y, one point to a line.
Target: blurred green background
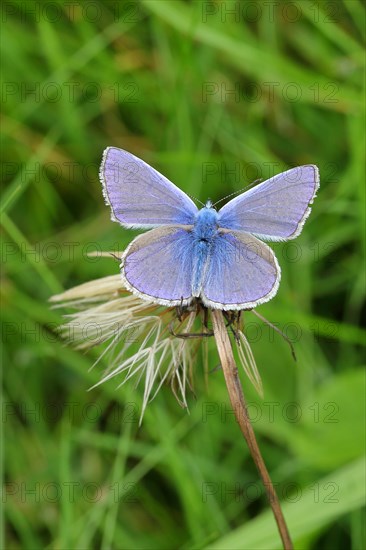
214	95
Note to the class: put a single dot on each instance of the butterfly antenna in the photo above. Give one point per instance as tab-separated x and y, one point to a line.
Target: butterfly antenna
194	199
279	332
239	191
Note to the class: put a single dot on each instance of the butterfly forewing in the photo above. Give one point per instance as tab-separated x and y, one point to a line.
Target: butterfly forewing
139	195
275	209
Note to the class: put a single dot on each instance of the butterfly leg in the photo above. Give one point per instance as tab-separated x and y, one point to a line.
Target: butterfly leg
205	317
180	311
231	318
115	256
188	334
279	332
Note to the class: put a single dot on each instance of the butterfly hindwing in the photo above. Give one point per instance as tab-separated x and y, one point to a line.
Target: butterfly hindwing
158	265
242	272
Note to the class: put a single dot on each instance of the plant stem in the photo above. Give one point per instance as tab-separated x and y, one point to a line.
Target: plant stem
240	409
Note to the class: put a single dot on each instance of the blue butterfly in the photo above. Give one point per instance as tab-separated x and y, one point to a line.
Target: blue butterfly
208	254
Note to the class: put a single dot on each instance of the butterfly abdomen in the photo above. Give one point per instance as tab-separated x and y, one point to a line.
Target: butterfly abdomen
204	231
